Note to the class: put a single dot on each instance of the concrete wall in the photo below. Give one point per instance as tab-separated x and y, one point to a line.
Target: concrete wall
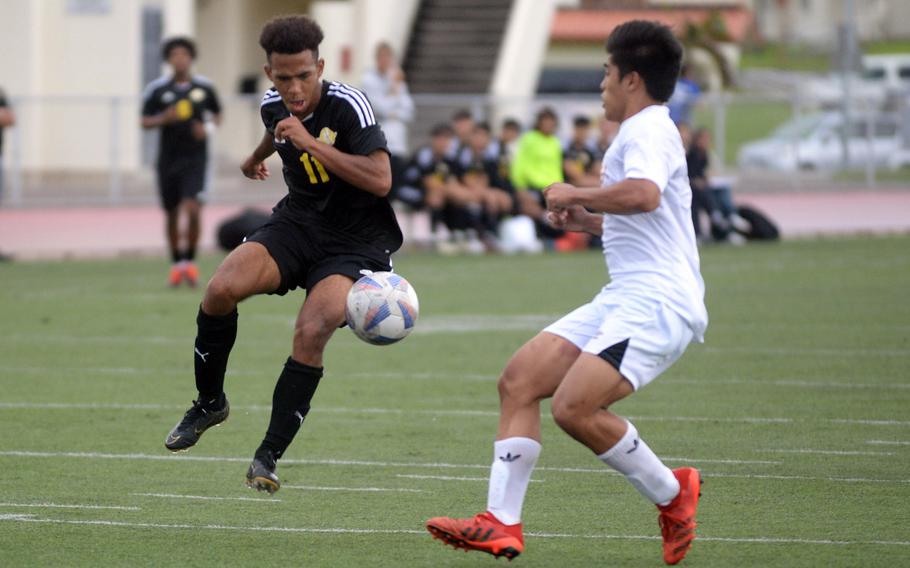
64	63
521	57
815	21
75	78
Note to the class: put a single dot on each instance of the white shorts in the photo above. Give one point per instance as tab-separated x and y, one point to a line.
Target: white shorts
640	338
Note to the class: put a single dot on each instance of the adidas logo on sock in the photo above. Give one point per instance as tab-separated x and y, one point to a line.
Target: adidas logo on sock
509	457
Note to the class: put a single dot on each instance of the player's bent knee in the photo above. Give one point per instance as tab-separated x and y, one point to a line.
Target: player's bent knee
314	331
567	416
221	292
519	387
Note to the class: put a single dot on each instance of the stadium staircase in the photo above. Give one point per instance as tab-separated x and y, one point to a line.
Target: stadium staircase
454	45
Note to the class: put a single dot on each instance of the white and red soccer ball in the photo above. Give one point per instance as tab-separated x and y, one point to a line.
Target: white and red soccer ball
381	308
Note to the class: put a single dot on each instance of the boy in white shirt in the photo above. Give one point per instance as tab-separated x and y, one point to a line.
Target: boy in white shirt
634	329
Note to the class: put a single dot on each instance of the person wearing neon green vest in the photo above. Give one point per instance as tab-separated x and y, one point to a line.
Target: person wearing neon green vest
537	164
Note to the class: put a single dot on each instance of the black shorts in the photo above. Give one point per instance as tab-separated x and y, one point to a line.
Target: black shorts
179	180
309	247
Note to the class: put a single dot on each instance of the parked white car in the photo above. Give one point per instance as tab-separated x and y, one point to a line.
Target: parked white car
891	71
813	142
828	91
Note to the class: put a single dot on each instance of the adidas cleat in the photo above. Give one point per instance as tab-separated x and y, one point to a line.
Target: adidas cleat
197	420
677	519
482	532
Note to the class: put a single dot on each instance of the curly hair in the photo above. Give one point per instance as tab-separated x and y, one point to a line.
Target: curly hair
175	42
649	49
291	34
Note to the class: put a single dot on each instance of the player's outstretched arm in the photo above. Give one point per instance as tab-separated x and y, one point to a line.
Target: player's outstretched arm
628	197
254	166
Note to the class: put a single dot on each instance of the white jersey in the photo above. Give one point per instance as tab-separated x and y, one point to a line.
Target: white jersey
653	255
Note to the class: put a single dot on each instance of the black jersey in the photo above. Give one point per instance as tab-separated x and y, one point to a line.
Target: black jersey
582	154
425	164
344	119
483	163
192	100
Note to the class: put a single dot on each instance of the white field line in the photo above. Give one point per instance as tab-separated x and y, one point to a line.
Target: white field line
441	412
422	533
452	478
866	422
824	452
425	328
807	478
888	442
791	351
451	376
419	376
798	383
77	506
204	497
409	465
355	489
34	369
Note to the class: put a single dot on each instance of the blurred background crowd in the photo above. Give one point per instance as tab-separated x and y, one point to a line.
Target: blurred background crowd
484	103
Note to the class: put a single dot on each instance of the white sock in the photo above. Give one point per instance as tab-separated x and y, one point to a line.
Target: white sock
632	457
513	462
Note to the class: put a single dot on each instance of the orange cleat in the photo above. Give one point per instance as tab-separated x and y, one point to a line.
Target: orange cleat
483	532
175	276
677	520
191	274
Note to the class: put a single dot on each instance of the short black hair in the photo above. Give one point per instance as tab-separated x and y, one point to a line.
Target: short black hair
175	42
441	129
545	112
649	49
581	120
291	34
462	114
483	125
511	123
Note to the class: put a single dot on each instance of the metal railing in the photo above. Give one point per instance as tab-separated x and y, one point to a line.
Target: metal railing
74	150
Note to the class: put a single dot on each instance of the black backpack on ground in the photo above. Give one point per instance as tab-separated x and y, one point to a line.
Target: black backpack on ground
232	231
762	228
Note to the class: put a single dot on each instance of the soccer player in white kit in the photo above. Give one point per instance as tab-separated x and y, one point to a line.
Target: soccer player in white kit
633	330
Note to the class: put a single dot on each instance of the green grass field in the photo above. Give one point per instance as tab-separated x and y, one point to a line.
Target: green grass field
795	410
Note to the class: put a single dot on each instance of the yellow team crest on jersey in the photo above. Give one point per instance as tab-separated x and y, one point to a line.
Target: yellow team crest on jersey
184	109
328	136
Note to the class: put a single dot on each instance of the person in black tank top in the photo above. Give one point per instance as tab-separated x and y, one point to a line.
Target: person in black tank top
334	222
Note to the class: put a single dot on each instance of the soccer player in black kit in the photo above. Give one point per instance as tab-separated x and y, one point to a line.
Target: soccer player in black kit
181	104
334	222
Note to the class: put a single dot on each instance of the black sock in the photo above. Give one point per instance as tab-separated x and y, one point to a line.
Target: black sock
176	256
290	405
214	340
435	219
190	254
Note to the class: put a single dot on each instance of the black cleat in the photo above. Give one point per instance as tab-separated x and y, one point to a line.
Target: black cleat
261	474
197	420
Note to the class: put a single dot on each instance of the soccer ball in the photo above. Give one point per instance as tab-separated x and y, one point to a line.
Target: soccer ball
381	308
